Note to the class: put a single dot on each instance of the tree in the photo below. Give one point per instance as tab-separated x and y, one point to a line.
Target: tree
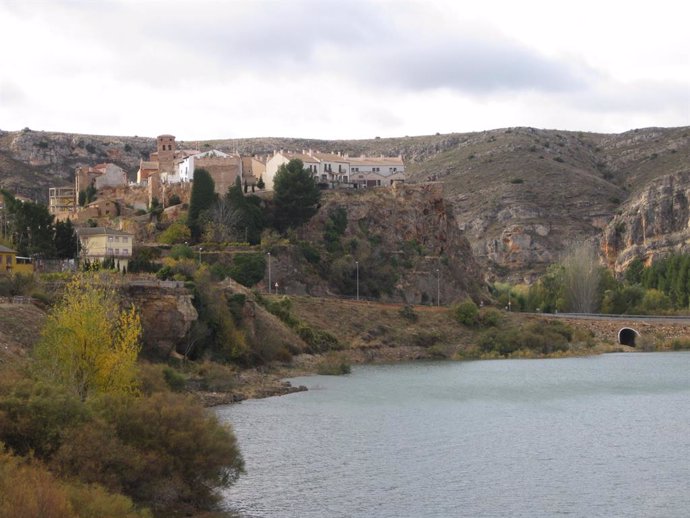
581	274
260	184
88	344
31	227
202	197
296	195
65	240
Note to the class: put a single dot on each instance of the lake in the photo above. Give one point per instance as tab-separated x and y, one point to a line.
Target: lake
597	436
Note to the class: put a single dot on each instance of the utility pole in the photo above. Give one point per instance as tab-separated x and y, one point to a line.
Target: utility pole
357	266
269	272
438	287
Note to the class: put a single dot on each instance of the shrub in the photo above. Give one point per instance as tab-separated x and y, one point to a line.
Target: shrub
333	365
177	232
467	313
182	251
174	379
489	317
310	253
408	313
680	343
248	269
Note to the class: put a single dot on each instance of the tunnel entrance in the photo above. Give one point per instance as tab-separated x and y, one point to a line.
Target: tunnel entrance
627	336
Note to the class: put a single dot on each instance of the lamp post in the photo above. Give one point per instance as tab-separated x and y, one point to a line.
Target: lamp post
357	267
200	249
438	287
269	272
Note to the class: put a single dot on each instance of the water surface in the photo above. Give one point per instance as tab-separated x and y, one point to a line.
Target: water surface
600	436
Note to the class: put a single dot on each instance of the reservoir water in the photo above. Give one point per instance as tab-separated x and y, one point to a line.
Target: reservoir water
603	436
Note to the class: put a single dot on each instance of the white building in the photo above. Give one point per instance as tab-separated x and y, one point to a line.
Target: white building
376	171
281	157
335	169
185	167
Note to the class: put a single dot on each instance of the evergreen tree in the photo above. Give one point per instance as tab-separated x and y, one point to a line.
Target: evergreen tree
296	195
202	198
31	227
65	240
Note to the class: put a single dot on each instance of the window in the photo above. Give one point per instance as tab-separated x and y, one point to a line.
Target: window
117	251
8	259
124	239
110	251
117	239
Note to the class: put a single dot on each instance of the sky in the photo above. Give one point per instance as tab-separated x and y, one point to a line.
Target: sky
352	69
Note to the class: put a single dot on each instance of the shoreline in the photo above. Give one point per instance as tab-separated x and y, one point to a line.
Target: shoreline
254	384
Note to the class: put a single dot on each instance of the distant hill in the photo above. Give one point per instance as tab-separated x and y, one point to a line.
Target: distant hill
520	194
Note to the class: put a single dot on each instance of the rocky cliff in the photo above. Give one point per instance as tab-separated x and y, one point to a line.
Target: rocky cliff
167	314
404	244
654	223
520	195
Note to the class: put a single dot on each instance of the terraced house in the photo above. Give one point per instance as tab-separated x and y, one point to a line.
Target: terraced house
340	170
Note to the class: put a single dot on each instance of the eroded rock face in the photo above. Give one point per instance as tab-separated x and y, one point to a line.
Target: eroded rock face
413	226
652	224
167	314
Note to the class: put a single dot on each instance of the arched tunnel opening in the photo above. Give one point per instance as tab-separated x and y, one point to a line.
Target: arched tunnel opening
627	336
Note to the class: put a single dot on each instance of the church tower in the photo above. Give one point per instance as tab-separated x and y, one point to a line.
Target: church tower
166	153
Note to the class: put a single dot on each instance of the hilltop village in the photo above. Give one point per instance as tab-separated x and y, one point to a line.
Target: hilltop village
102	201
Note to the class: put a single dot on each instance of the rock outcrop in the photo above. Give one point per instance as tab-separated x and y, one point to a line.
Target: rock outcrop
413	236
652	224
167	314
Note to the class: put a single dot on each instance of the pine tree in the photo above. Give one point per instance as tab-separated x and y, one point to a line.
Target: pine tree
202	198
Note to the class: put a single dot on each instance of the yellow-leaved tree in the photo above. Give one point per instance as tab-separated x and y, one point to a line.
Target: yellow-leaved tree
88	343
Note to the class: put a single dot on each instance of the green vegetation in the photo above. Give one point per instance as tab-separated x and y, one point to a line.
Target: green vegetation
85	431
202	198
318	340
544	337
248	269
177	232
296	195
333	364
467	313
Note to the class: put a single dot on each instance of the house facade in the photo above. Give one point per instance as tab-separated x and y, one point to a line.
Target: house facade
100	243
10	263
335	169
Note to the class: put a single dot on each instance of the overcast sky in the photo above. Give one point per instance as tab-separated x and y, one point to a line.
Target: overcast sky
341	69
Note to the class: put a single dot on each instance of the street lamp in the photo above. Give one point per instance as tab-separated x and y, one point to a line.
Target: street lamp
438	287
357	266
200	249
269	272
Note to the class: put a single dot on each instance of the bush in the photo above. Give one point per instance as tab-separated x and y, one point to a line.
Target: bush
174	379
408	313
680	343
248	269
310	253
489	317
333	365
177	232
182	251
467	313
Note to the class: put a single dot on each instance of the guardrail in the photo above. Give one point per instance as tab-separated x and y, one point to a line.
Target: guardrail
607	316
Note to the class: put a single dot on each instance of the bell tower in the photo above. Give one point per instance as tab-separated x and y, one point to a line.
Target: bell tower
166	153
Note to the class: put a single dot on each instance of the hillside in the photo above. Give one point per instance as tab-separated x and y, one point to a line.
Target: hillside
521	195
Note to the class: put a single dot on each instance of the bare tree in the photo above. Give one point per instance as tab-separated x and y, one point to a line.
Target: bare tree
581	278
222	222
